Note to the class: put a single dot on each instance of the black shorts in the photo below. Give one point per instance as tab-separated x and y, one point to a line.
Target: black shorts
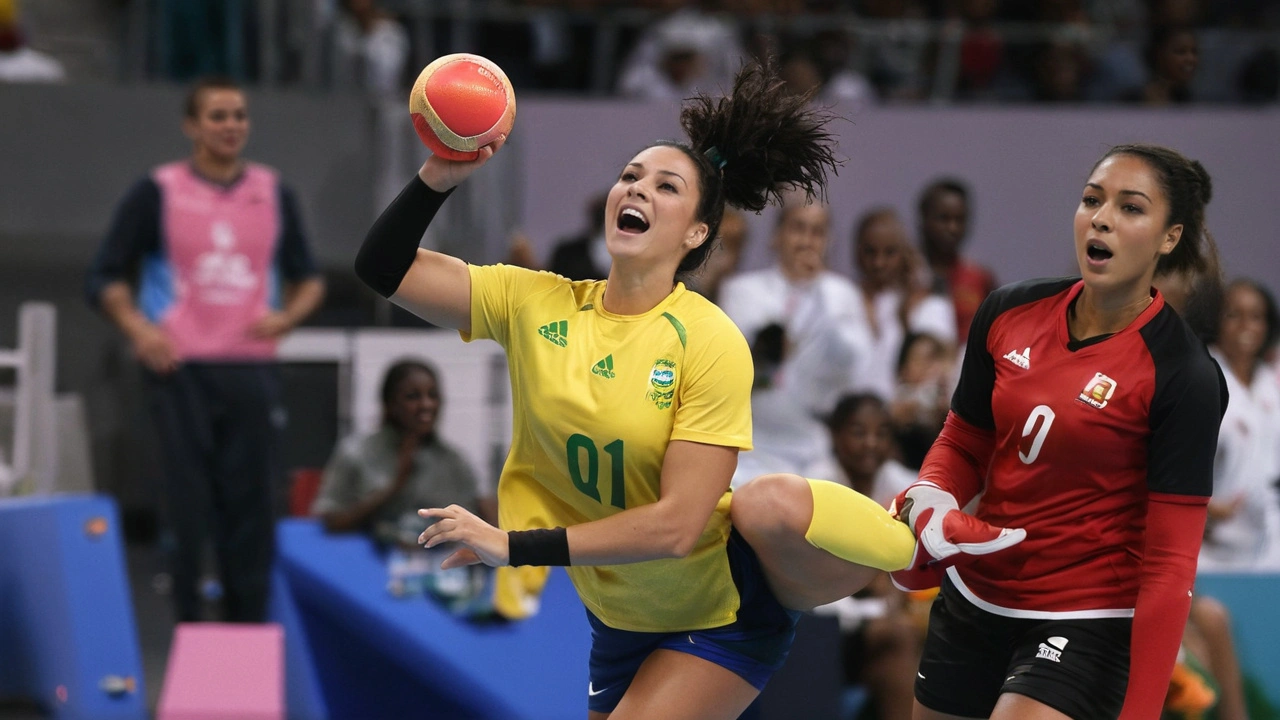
1077	667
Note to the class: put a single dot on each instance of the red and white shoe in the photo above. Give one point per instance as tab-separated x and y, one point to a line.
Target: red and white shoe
945	536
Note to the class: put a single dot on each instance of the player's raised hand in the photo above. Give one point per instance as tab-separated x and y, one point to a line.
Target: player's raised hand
482	542
441	174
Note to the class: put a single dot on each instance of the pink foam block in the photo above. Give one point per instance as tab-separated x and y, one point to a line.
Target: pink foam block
221	671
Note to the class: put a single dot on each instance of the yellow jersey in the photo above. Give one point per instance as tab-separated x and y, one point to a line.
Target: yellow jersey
597	397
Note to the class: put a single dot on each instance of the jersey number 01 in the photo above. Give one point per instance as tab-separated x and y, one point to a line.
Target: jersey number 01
1033	436
589	484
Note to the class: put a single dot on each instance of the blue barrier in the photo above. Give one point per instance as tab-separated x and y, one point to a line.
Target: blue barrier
375	655
68	640
1251	598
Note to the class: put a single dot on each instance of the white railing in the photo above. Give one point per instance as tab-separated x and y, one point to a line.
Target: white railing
34	465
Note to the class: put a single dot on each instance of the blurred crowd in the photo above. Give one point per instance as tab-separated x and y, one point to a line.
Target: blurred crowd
1149	52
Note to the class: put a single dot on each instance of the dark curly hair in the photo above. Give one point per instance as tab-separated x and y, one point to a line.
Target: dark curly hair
770	143
1188	189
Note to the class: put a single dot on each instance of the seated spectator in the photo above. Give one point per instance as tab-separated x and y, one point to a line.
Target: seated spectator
18	61
1244	514
882	640
686	51
944	228
725	257
1172	55
584	256
806	328
897	57
1059	72
371	50
894	301
803	71
378	482
982	51
923	395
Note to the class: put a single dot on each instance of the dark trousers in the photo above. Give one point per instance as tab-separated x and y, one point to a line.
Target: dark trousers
218	425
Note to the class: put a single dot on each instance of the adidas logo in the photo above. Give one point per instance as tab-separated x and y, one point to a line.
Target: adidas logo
557	332
1022	360
604	368
1052	649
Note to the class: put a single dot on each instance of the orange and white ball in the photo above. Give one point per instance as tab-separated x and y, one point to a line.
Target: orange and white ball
460	103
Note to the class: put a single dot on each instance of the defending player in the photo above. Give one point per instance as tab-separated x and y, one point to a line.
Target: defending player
1087	413
632	400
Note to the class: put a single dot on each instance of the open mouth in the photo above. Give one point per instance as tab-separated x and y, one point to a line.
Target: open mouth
632	221
1098	252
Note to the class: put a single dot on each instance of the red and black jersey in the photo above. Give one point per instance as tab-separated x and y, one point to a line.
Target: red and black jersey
1084	432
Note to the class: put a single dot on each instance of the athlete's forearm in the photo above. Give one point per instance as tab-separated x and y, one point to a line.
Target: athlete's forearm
1175	525
959	459
648	532
391	246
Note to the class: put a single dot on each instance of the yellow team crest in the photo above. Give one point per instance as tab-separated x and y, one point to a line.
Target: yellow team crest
662	383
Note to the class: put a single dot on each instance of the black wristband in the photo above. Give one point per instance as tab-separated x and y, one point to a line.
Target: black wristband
392	243
538	547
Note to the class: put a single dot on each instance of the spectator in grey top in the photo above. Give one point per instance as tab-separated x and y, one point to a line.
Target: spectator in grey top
377	482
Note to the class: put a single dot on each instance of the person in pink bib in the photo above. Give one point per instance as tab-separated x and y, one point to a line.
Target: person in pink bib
204	268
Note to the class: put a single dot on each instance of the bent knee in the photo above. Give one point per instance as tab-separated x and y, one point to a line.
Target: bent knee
772	503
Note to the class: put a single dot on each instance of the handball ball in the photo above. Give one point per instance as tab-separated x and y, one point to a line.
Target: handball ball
460	103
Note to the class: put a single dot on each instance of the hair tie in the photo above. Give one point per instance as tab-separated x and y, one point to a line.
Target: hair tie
713	154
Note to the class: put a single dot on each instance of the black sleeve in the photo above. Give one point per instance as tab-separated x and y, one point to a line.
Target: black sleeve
1186	410
134	232
293	256
392	243
972	398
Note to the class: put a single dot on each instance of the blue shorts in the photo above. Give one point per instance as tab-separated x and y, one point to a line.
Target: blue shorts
754	646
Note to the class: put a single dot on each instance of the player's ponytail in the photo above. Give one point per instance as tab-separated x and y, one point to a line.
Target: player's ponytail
751	147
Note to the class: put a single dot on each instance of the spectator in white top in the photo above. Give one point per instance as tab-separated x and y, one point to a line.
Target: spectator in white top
18	62
807	328
896	303
371	50
686	51
1244	514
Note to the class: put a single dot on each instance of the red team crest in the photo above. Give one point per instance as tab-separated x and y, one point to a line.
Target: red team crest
1098	391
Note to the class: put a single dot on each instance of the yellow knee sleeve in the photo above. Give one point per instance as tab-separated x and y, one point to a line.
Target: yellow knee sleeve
853	527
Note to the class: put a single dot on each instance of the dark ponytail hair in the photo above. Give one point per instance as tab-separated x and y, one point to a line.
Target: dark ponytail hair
1188	189
751	147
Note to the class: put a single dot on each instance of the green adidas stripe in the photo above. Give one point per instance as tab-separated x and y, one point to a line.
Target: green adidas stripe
684	339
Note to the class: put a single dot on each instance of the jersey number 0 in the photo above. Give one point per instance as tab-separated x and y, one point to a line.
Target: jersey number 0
1033	436
589	484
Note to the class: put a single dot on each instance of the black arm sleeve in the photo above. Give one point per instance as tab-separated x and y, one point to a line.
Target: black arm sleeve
133	233
293	256
392	243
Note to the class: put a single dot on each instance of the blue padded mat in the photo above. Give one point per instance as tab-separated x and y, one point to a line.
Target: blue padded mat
378	655
66	615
